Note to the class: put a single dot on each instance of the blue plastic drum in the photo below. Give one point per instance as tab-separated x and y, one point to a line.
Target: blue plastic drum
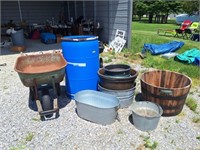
82	56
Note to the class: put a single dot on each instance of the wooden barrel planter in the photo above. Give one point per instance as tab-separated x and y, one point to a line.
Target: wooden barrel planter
166	88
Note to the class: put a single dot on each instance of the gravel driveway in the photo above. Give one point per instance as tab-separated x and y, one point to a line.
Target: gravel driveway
20	125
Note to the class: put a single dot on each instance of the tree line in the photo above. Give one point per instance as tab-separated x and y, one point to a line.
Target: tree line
159	10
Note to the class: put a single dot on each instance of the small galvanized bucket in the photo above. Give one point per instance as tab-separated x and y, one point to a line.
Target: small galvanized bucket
146	115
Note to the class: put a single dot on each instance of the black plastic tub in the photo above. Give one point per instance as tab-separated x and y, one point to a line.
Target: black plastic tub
117	83
119	70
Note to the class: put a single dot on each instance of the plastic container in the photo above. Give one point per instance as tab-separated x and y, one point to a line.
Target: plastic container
146	115
18	48
117	83
48	38
18	38
96	106
119	70
82	55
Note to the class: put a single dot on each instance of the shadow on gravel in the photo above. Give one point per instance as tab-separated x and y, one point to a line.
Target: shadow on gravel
139	97
63	100
130	119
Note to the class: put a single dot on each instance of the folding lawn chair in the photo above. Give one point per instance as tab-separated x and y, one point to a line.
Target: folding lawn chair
179	32
184	26
166	32
188	33
194	26
195	37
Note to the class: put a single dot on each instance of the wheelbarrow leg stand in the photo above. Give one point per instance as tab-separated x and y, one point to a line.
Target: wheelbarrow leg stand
38	103
55	101
42	112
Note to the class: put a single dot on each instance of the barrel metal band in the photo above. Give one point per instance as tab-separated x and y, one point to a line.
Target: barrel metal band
79	39
172	107
164	97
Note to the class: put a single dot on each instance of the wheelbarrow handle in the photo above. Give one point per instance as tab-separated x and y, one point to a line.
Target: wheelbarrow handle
48	112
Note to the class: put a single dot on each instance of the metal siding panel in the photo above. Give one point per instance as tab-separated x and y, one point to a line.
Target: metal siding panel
118	26
102	11
114	14
9	11
120	20
120	13
124	1
118	17
102	16
32	11
89	9
66	10
79	5
72	9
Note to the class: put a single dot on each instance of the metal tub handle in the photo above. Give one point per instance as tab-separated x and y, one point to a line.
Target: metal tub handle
166	92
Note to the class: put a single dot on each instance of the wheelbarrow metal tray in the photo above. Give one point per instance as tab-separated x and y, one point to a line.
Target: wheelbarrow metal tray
40	68
97	107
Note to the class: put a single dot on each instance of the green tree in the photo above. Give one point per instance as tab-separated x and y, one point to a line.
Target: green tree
191	7
160	9
167	7
139	9
151	9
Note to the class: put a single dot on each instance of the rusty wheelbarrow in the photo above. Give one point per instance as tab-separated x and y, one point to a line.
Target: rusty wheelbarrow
42	70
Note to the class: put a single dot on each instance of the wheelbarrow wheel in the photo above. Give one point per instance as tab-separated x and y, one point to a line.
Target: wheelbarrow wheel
47	104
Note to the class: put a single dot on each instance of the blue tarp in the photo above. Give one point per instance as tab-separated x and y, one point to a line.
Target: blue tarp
189	56
156	49
197	61
47	36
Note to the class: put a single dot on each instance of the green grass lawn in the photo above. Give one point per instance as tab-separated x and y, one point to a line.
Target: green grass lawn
147	33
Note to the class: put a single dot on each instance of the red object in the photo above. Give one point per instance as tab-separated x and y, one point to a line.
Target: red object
181	30
36	35
185	24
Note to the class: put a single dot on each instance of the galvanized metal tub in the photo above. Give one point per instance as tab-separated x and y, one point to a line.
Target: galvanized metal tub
97	107
125	96
146	115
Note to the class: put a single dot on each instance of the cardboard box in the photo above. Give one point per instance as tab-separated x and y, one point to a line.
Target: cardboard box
18	48
58	38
